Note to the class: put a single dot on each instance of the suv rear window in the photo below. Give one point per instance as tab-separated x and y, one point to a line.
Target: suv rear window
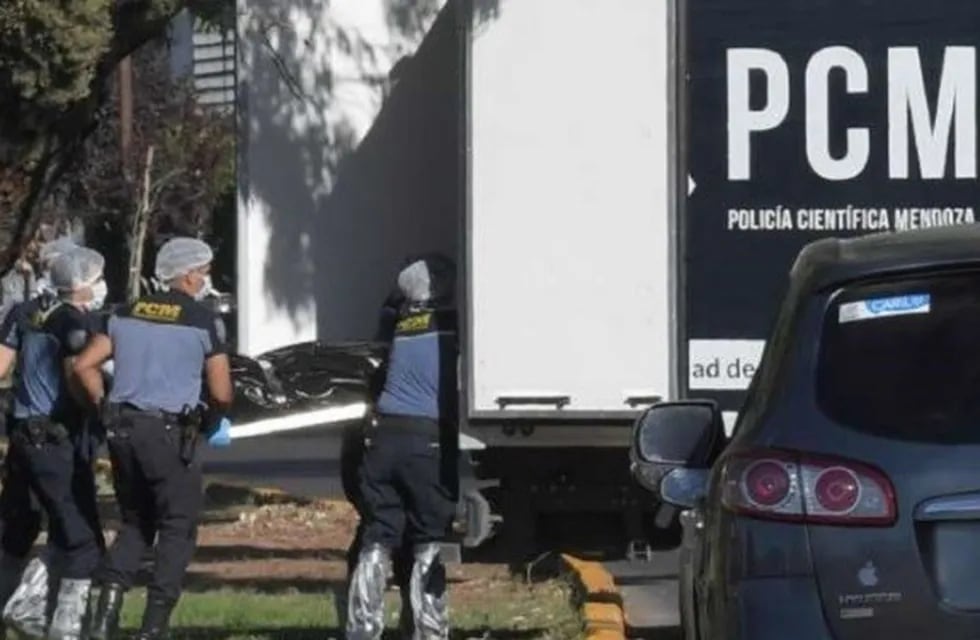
902	358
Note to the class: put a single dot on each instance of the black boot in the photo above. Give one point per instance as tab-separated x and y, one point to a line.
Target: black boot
104	622
156	618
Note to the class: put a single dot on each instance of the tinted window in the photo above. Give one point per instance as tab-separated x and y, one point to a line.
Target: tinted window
903	358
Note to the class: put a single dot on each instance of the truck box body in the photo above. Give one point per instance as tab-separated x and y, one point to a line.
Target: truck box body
803	121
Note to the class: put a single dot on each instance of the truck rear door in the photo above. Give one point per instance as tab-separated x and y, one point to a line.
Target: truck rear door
568	232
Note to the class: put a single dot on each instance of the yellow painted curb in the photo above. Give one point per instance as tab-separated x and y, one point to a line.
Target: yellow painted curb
602	604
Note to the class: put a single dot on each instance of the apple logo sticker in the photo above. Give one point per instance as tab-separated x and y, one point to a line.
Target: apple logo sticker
868	575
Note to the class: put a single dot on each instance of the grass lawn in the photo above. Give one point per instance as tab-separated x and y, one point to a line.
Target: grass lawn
262	573
541	612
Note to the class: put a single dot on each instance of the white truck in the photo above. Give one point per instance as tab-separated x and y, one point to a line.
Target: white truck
639	177
623	198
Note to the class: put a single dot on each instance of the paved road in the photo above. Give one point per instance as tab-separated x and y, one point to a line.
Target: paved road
304	462
649	591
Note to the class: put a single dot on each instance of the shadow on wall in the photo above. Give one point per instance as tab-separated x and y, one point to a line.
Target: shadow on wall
285	138
399	192
348	194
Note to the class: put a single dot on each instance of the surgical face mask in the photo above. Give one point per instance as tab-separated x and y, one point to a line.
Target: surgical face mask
99	292
206	288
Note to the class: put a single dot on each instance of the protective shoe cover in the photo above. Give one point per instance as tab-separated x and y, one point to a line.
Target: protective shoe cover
27	610
105	620
428	589
11	570
366	601
69	615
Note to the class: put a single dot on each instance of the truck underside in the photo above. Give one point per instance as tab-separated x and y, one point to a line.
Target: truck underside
551	499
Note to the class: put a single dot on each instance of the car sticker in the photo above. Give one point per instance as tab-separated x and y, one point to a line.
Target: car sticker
911	304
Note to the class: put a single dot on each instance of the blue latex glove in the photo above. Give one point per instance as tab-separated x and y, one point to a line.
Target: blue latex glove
220	435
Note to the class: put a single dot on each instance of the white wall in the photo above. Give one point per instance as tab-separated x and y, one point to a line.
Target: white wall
312	81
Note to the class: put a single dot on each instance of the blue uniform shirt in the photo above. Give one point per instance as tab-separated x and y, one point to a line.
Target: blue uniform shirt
45	331
159	345
421	371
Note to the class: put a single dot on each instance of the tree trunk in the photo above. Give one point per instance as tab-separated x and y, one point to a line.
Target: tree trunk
141	221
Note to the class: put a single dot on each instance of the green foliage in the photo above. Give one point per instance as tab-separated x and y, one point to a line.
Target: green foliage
56	58
214	15
193	168
197	152
50	49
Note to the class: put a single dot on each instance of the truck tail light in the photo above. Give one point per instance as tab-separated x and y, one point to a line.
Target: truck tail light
798	487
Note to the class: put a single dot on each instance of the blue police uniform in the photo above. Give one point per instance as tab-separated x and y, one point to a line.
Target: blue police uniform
351	459
403	480
408	479
160	345
51	448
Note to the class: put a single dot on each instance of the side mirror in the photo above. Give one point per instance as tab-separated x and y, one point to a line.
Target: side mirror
667	436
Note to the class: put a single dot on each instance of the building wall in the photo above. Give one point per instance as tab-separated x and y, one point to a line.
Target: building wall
348	146
206	54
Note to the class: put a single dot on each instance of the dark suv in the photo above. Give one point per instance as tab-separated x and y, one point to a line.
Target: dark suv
846	504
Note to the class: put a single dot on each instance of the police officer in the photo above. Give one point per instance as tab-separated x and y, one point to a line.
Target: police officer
49	453
17	286
351	459
29	278
162	345
406	478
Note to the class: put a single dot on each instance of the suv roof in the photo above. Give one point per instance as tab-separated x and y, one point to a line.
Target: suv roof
835	261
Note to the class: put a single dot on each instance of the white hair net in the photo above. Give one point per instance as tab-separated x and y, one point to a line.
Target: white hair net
431	277
414	282
180	256
50	251
76	268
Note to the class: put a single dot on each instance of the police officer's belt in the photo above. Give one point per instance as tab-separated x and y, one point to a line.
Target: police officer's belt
415	425
39	429
134	411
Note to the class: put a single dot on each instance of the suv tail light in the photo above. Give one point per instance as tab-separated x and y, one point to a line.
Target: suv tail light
781	485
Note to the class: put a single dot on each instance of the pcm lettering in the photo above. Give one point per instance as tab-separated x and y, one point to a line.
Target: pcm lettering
911	121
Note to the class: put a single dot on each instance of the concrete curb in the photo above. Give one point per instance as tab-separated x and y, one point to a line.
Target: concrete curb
602	604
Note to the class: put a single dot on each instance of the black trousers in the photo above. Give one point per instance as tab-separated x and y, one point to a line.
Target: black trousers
52	465
406	496
160	498
351	458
